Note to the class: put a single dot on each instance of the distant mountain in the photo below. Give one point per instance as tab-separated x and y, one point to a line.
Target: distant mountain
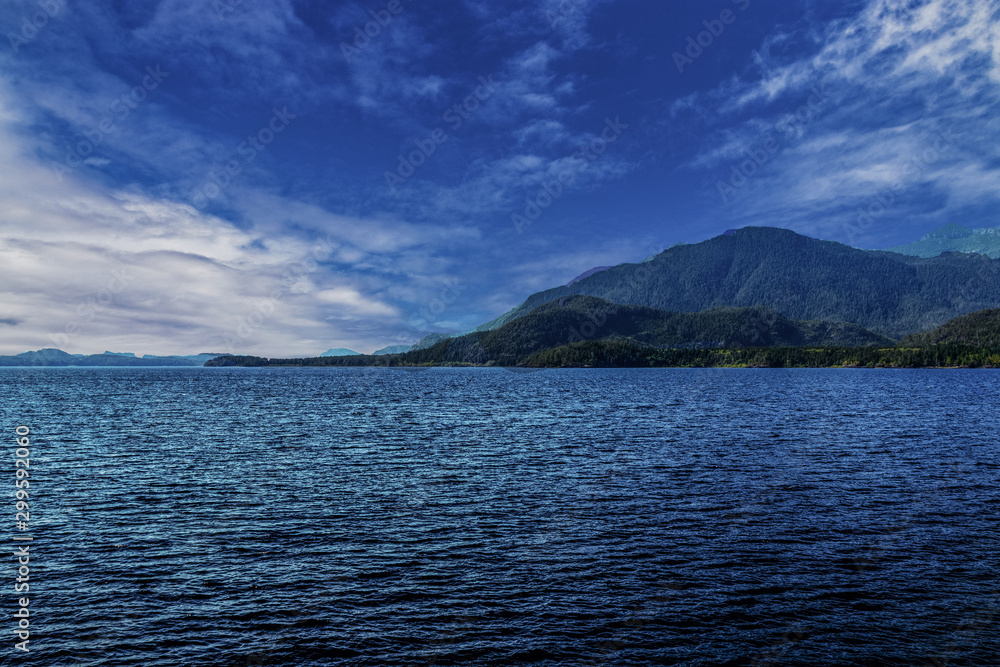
198	359
587	274
43	357
803	278
340	352
430	340
955	238
54	357
392	349
578	318
979	329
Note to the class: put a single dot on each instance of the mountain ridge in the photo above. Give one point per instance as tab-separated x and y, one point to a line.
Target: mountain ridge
54	357
954	238
980	329
803	278
585	318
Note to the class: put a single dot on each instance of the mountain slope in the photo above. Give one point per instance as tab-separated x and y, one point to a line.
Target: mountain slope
430	340
801	277
54	357
980	329
393	349
577	318
955	238
339	352
585	318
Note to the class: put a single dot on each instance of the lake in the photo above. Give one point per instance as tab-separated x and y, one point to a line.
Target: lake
350	516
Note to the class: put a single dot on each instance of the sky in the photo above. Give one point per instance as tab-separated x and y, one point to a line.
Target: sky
280	177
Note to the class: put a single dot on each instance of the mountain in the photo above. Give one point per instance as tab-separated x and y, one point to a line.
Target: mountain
805	279
196	359
45	357
955	238
585	318
392	349
579	318
587	274
604	353
340	352
979	329
54	357
430	340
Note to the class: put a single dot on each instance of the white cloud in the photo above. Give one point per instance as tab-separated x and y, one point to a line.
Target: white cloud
897	76
87	268
354	302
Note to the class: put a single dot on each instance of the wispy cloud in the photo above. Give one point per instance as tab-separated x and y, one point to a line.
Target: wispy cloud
87	267
127	145
898	75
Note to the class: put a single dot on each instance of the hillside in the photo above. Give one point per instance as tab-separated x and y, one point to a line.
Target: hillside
577	318
803	278
580	318
604	354
955	238
54	357
340	352
980	329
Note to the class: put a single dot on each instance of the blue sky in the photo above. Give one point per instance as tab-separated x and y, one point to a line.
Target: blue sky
280	177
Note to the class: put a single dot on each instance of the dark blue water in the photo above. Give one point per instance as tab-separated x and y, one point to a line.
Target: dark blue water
483	517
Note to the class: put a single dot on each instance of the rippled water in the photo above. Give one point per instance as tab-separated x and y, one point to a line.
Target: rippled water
484	517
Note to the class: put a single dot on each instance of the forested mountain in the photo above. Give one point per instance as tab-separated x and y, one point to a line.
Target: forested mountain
429	341
955	238
393	349
980	329
579	318
803	278
604	353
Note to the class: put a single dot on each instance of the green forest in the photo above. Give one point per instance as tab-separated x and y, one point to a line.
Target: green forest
583	331
803	278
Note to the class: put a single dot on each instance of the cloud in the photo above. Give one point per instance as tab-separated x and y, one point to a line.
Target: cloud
89	267
897	76
354	302
562	22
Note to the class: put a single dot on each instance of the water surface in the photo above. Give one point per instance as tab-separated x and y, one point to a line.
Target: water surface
483	517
